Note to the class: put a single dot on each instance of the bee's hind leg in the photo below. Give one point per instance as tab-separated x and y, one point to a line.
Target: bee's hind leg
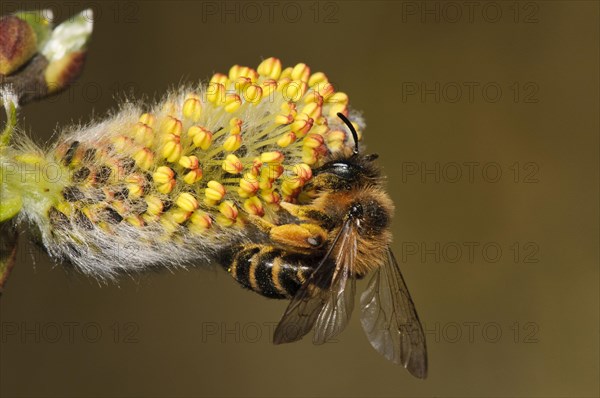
267	270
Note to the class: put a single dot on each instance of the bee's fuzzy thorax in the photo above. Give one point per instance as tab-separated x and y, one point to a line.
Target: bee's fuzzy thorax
170	183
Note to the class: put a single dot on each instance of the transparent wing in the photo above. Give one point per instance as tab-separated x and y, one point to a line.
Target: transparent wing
390	320
325	300
339	299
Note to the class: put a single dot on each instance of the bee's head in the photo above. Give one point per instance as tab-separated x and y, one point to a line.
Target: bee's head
350	187
347	172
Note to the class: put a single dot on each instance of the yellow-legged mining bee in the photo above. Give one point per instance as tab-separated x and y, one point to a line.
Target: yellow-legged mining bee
315	260
258	169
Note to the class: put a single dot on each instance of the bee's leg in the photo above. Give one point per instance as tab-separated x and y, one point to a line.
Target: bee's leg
302	236
309	213
268	270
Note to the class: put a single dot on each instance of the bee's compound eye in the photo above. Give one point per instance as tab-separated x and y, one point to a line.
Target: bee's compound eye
356	210
315	241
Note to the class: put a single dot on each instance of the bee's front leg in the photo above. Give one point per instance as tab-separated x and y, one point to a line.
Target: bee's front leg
268	270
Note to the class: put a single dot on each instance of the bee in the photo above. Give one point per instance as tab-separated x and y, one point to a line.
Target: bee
342	235
269	184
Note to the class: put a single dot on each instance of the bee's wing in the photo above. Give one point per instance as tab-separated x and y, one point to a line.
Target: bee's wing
325	300
390	320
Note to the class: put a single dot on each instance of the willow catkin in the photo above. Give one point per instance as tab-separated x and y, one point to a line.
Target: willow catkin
174	183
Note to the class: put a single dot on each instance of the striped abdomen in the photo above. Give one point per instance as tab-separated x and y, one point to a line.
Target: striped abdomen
267	270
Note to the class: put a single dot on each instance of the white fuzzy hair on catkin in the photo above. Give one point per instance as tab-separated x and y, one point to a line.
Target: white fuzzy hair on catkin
105	251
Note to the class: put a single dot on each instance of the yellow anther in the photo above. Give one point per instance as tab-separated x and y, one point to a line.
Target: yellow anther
187	202
179	215
271	157
294	90
232	143
193	176
148	119
236	125
201	137
189	162
270	67
241	83
232	102
163	174
254	206
335	139
338	98
249	184
219	78
215	191
282	83
143	134
169	225
290	187
201	219
312	141
265	184
322	129
135	185
172	151
251	73
236	71
286	73
192	109
232	164
269	87
313	96
256	166
136	190
309	155
253	94
242	194
155	205
284	119
317	78
312	109
269	196
150	218
302	125
271	171
338	108
224	221
166	187
301	72
136	221
325	90
215	93
171	125
286	139
302	171
228	209
288	107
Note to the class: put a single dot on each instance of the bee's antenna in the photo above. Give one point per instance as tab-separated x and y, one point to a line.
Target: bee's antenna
352	130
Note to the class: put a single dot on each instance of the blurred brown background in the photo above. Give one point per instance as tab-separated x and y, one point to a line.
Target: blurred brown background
503	267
